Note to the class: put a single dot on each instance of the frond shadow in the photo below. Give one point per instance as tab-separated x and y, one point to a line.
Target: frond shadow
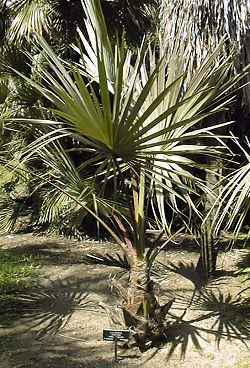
190	272
180	335
226	317
244	264
231	314
47	309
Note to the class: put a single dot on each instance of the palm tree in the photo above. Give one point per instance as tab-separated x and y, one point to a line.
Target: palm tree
43	17
204	23
142	136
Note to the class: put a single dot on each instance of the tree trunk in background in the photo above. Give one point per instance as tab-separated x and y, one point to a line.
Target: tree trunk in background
208	246
208	256
244	60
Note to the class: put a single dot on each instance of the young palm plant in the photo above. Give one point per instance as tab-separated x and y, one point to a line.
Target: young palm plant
139	122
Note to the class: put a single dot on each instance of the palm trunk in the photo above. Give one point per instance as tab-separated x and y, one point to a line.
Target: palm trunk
208	257
141	309
208	246
139	292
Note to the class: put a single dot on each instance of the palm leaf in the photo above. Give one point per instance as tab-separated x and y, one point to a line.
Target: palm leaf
29	16
107	260
151	122
233	202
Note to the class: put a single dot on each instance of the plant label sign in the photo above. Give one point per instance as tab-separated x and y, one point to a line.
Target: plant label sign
115	335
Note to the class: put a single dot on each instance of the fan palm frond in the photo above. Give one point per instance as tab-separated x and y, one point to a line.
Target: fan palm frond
107	260
233	202
7	217
13	57
4	20
149	121
29	16
124	136
60	169
14	189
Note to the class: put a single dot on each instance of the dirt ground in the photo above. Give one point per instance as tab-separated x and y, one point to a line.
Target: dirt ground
61	321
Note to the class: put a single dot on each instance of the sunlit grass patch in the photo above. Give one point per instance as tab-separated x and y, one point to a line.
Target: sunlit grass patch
16	272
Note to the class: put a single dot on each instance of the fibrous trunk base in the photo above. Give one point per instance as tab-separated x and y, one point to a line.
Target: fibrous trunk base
142	311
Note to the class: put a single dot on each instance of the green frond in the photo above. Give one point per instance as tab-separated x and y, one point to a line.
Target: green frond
233	202
7	217
146	115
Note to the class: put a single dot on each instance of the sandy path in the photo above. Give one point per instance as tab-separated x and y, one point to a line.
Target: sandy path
71	291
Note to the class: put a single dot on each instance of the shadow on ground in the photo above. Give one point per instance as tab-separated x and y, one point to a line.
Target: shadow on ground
48	253
48	308
24	351
45	312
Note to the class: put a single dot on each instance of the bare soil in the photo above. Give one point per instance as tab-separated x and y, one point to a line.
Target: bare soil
59	323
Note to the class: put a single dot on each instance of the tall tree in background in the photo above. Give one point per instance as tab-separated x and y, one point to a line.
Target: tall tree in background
203	24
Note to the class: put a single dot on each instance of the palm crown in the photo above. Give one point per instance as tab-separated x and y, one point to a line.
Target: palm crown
145	116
